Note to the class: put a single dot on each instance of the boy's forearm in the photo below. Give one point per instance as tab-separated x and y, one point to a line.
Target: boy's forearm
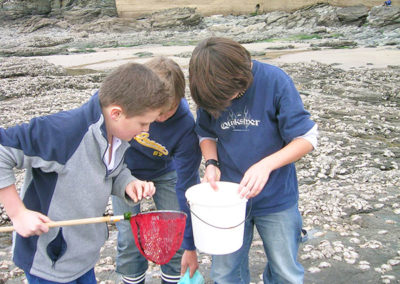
209	149
9	197
288	154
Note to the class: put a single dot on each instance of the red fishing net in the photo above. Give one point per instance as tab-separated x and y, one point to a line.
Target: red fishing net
158	234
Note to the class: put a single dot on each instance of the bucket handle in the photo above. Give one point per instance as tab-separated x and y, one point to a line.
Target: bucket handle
223	228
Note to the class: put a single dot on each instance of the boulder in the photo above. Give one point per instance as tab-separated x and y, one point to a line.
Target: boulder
336	44
380	16
175	17
353	15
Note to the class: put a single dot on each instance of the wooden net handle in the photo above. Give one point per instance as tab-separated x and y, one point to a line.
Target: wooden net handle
74	222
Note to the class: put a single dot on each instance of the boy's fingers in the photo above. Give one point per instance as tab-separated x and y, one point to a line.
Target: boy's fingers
133	195
213	184
243	189
152	189
192	271
43	228
44	218
244	192
139	191
147	190
183	269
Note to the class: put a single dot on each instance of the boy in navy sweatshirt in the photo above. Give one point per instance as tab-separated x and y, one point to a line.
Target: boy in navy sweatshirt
74	162
252	127
169	155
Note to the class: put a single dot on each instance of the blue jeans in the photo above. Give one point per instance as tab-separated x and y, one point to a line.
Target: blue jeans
130	262
87	278
281	236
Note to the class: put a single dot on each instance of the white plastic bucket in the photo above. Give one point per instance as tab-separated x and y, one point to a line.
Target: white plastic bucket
223	209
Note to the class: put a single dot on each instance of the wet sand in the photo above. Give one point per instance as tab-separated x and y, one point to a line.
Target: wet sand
103	59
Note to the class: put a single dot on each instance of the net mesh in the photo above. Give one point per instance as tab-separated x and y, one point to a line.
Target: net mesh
158	234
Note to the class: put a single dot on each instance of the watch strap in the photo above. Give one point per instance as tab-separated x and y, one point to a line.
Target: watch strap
212	162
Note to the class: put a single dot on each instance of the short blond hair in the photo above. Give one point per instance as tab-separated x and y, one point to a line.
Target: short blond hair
169	72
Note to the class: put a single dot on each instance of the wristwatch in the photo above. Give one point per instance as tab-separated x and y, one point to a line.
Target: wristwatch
212	162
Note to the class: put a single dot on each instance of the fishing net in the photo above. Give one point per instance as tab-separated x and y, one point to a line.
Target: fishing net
158	234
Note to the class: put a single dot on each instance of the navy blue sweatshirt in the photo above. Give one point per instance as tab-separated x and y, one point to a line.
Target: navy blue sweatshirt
168	146
264	120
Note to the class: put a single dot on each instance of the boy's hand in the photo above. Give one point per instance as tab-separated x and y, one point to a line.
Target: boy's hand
254	180
189	259
138	189
29	223
26	222
212	174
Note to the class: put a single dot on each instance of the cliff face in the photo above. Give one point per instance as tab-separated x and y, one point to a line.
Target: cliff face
132	8
12	9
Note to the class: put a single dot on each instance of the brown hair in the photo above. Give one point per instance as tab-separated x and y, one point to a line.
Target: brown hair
135	88
218	69
170	72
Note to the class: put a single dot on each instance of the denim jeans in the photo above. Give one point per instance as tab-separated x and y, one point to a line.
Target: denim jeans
87	278
130	262
281	236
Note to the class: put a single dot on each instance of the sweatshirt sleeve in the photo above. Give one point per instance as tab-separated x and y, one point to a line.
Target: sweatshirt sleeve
8	160
187	158
36	144
120	182
203	124
293	119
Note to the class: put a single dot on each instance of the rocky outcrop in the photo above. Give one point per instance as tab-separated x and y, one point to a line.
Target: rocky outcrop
173	18
355	15
85	31
381	16
135	8
330	16
72	9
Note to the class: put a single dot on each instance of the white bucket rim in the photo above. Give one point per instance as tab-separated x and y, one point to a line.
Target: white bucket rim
189	195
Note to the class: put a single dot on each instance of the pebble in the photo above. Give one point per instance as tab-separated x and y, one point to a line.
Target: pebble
314	269
324	265
394	262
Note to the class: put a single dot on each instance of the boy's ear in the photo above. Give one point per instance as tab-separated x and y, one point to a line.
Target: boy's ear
115	112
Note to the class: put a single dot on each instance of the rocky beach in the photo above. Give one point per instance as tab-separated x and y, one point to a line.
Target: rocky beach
345	63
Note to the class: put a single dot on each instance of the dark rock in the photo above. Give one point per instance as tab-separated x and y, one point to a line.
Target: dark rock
354	15
336	44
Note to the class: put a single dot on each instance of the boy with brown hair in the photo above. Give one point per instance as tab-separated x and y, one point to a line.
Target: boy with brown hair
74	162
253	127
168	155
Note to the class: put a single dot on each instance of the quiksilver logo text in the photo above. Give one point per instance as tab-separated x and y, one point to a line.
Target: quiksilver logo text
240	122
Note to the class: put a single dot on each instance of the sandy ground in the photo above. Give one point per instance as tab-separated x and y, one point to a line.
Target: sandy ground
380	57
103	59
